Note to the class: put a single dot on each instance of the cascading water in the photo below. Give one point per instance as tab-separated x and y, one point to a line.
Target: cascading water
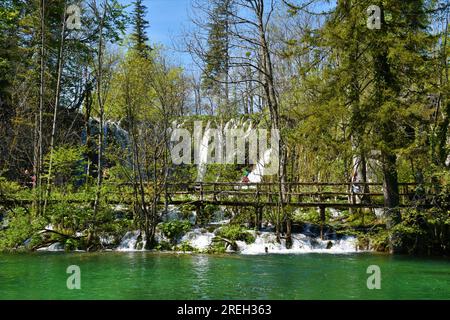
258	172
219	135
198	238
203	153
265	242
130	241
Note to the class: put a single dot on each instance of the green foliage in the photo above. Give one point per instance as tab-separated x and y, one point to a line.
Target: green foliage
69	217
174	229
21	226
207	214
185	247
310	215
67	164
9	189
70	244
139	35
423	231
186	210
217	247
164	246
234	232
377	240
223	173
217	55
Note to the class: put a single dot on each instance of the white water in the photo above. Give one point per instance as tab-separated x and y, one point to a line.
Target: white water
198	238
129	242
55	247
258	172
201	239
203	153
219	139
300	244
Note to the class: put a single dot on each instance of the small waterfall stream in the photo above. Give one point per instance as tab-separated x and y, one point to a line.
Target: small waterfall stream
265	242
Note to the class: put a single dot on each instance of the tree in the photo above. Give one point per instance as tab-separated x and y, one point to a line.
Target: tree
379	81
216	73
146	94
139	35
9	53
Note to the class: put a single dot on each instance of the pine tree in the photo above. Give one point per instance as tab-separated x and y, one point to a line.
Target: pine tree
216	71
139	35
377	80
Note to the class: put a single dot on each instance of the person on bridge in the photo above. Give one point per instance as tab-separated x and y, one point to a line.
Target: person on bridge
245	179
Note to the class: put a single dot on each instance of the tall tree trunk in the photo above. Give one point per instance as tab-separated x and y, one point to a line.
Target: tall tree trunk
39	158
55	111
101	115
391	197
87	128
272	102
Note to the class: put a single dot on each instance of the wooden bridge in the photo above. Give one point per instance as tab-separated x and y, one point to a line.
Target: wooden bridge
301	194
259	195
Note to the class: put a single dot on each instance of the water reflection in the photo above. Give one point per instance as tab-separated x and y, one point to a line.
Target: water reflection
200	269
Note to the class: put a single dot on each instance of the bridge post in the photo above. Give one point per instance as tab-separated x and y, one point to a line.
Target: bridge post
258	217
322	220
200	202
201	192
258	210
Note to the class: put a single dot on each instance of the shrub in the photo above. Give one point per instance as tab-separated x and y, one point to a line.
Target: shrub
174	229
185	247
163	246
21	227
234	232
217	247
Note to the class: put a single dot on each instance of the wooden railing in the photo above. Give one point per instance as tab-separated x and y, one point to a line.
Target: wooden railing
298	194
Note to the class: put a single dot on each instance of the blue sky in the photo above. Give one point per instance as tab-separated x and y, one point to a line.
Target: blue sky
168	19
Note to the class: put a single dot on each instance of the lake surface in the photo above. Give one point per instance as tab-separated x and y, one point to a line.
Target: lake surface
147	275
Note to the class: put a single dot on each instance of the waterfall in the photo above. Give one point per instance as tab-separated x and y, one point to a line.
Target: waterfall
54	247
258	172
130	241
219	141
266	243
198	238
203	153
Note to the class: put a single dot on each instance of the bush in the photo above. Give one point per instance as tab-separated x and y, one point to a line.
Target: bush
308	215
423	232
71	244
207	214
185	247
163	246
234	232
21	227
217	247
68	164
174	229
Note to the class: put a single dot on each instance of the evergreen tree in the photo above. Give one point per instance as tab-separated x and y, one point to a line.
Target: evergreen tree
215	76
139	35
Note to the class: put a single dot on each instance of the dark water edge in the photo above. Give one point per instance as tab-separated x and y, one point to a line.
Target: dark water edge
151	275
